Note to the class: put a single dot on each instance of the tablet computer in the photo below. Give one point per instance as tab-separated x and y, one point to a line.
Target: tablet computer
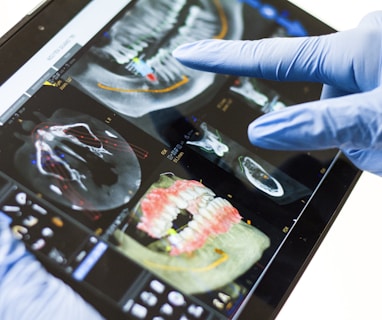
131	177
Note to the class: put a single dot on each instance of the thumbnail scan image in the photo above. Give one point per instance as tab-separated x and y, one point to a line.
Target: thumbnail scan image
251	90
249	168
260	178
77	161
210	141
131	68
190	237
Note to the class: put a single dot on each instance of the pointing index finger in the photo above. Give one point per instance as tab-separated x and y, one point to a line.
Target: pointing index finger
292	59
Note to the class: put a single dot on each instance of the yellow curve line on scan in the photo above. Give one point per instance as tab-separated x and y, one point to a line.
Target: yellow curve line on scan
163	90
223	32
224	257
223	20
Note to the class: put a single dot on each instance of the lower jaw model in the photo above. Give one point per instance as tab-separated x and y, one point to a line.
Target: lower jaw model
198	241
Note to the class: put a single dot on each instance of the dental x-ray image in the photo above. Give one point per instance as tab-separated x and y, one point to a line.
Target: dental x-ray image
130	67
260	178
77	161
186	234
245	165
257	94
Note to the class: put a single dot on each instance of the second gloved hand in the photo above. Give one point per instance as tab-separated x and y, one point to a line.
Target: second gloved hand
349	64
28	291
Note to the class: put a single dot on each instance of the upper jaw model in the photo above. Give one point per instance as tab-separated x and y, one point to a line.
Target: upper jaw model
131	68
210	215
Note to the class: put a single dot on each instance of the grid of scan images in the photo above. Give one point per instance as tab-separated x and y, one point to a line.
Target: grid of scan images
154	157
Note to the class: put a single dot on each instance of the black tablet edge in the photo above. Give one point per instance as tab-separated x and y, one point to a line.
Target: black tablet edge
24	21
36	29
257	307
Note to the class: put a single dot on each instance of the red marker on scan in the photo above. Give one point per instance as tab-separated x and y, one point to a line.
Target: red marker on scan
144	70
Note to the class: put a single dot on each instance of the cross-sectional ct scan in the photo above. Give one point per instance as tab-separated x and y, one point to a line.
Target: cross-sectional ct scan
77	161
246	166
257	94
131	69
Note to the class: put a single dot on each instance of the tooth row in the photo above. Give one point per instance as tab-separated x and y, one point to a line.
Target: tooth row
211	216
166	66
131	36
198	25
134	34
194	29
158	226
198	230
120	53
197	193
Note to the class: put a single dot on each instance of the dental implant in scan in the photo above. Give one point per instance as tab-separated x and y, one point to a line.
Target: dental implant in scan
190	237
77	161
131	69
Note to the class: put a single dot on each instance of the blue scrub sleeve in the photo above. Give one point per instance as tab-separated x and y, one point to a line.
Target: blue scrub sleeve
28	291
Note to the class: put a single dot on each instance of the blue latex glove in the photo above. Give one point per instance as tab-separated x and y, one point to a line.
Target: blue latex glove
27	291
349	63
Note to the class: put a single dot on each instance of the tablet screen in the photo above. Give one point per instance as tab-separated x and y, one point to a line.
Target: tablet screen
132	176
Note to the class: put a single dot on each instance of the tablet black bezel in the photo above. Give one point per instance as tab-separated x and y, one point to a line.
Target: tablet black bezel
18	45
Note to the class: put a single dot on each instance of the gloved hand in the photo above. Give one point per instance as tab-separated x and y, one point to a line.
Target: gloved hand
27	291
349	63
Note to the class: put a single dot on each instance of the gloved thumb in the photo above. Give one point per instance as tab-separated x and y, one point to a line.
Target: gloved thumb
351	123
